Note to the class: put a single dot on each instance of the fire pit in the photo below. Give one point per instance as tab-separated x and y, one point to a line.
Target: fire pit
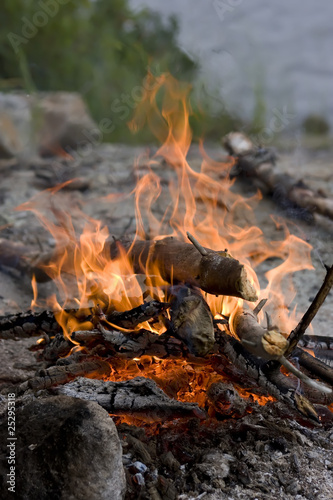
167	326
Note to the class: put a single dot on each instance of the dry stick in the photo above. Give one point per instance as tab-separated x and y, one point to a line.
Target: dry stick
296	335
243	366
287	191
268	344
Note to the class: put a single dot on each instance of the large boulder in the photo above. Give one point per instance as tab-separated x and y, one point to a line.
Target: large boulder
45	122
65	449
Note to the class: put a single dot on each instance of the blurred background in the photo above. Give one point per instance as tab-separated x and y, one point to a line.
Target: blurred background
262	67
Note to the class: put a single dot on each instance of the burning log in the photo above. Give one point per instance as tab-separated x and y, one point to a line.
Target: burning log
214	272
288	192
139	397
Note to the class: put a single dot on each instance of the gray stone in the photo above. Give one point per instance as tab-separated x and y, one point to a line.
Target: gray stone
44	122
66	449
15	124
65	122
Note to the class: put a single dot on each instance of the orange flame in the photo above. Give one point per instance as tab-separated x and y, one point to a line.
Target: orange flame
199	200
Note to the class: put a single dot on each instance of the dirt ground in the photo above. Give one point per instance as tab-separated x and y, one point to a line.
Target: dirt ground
253	466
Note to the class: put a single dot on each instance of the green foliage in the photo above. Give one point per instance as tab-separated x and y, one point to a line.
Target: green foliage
316	125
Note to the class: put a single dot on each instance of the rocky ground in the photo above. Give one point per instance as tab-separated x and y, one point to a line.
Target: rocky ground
264	454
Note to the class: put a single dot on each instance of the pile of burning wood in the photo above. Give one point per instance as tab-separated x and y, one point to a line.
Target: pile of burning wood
147	306
106	343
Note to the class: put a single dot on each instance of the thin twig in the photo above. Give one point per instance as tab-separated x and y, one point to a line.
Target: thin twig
296	334
259	306
197	245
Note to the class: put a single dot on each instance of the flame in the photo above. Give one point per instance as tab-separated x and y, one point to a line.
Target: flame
199	200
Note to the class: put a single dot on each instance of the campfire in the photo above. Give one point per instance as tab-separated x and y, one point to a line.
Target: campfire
171	322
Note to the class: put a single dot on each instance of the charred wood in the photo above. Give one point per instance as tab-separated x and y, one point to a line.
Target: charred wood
139	397
22	325
314	366
111	343
56	375
134	317
192	320
29	324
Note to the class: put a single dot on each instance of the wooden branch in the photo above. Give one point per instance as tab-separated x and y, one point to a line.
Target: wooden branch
288	192
268	345
300	329
139	397
314	366
267	375
214	272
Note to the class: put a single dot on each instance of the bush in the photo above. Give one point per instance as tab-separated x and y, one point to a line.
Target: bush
99	48
316	125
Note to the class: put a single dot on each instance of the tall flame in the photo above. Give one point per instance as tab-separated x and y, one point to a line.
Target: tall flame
199	200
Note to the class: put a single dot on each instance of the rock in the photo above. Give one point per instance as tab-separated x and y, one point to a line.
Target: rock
66	449
65	123
45	123
15	125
